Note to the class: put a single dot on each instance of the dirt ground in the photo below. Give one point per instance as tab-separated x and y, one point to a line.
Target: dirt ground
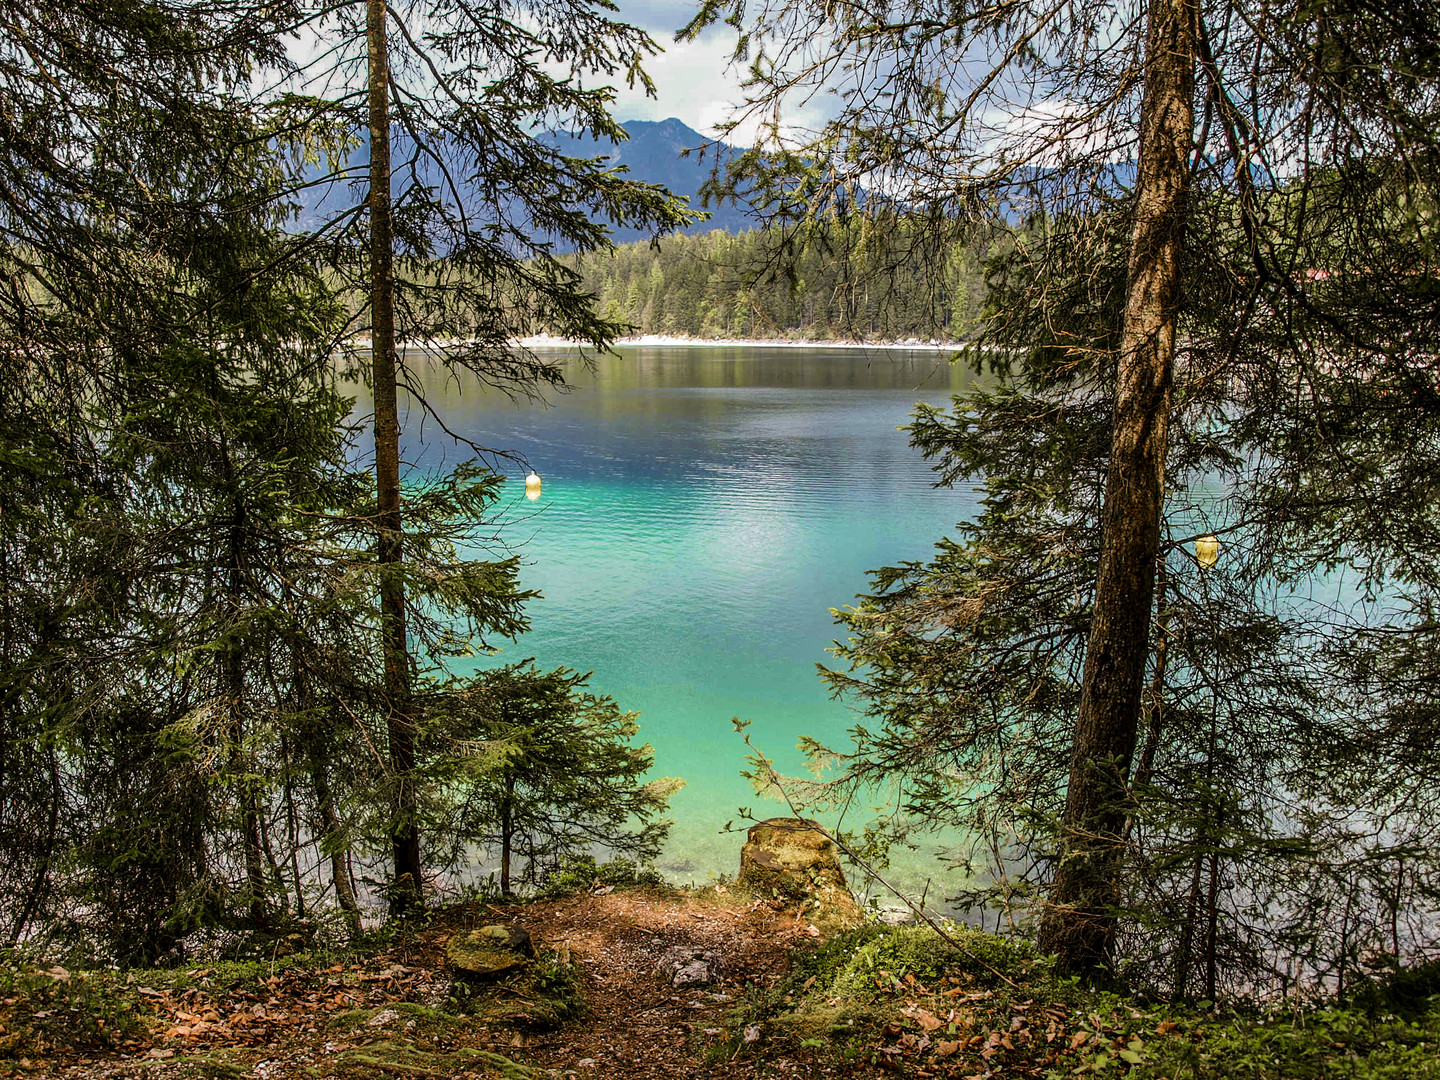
378	1018
639	1026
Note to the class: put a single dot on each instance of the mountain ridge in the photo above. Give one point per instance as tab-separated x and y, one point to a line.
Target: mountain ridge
655	153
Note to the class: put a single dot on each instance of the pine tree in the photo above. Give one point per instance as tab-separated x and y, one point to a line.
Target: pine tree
1255	125
460	245
548	771
140	211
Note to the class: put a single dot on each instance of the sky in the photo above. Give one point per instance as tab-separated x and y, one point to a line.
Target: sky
694	80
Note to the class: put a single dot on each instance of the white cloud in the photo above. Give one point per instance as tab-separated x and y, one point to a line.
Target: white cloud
694	82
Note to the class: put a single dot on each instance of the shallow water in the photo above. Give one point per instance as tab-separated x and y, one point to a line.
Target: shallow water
702	511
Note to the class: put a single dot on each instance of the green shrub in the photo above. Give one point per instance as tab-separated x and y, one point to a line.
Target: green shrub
853	963
579	873
1407	991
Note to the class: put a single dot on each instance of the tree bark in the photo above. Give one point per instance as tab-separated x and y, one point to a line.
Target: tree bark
330	828
234	683
405	883
1079	925
507	834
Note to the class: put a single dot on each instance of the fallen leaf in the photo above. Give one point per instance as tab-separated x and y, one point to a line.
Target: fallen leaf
925	1018
945	1049
1079	1039
1165	1027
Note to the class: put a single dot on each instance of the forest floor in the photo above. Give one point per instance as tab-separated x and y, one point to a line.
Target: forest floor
596	1005
395	1011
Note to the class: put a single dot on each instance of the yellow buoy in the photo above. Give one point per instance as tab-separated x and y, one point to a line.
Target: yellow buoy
1207	551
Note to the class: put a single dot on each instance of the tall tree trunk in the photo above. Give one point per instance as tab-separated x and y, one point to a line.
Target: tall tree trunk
405	885
292	826
40	883
1079	925
330	829
507	834
234	682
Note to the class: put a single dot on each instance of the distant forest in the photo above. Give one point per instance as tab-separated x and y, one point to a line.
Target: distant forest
847	282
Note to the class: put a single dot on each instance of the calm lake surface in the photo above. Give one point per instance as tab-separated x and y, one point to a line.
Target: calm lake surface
702	510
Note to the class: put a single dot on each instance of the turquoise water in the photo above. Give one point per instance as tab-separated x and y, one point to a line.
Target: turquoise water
702	510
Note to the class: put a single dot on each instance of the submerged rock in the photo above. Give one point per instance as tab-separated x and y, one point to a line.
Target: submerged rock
490	951
894	915
793	859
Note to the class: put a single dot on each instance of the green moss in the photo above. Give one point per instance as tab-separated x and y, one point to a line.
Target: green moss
545	995
832	1023
229	974
428	1021
964	953
405	1059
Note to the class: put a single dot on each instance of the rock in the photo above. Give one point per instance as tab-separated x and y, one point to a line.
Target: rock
793	859
687	965
489	952
895	915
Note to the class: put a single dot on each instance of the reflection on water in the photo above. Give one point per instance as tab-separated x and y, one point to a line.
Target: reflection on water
702	511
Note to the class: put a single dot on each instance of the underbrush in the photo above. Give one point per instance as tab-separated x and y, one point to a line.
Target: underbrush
909	1002
45	1009
546	993
582	873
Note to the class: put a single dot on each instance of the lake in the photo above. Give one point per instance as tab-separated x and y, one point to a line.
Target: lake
703	509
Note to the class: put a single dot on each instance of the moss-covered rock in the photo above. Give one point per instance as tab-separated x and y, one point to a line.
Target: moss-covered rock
489	952
793	859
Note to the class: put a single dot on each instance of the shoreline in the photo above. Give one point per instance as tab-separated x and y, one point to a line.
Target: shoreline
668	341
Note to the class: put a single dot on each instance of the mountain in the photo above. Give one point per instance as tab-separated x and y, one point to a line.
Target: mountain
654	154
